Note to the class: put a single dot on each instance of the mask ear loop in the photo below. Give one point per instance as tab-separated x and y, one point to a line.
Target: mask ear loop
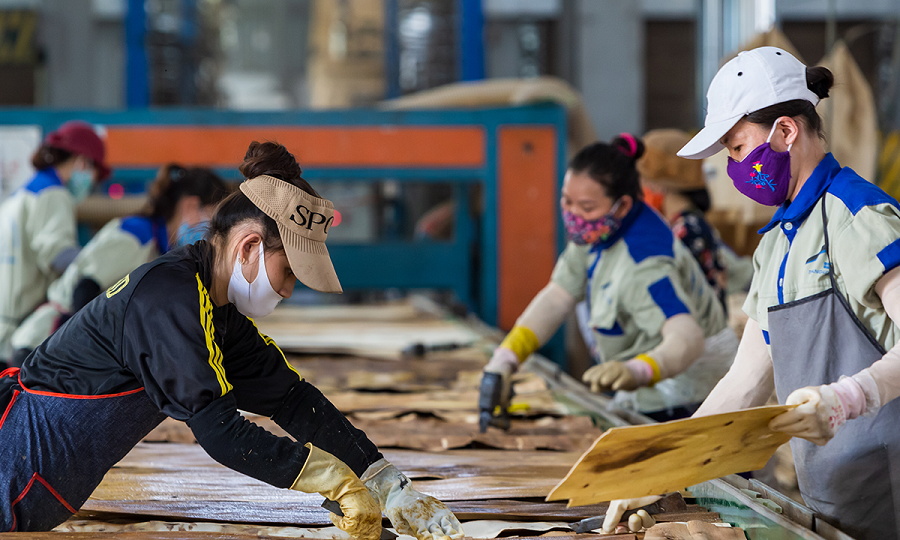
615	206
769	138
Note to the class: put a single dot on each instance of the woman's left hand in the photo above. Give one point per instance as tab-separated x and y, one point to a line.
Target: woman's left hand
410	511
610	376
818	415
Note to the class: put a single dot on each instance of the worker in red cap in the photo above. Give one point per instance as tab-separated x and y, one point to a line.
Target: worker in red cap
37	222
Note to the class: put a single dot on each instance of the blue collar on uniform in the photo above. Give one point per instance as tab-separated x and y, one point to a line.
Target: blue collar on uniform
43	180
627	221
795	212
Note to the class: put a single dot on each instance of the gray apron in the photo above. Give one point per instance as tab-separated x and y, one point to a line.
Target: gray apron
851	480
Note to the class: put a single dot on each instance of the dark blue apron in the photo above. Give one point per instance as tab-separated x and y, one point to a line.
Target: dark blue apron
851	480
46	471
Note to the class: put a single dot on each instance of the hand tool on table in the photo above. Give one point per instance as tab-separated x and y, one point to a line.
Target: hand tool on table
335	508
493	409
418	350
673	502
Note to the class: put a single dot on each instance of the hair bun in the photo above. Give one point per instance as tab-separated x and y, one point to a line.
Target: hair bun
819	80
272	159
628	144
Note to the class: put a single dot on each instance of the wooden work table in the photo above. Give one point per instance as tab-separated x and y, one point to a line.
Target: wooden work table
422	413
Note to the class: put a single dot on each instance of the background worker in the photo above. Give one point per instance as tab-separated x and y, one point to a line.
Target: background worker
178	208
658	325
37	222
174	338
678	191
825	297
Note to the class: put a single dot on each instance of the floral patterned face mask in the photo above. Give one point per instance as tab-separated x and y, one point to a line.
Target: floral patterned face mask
582	231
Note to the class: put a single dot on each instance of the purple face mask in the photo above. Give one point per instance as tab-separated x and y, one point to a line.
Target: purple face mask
582	231
764	175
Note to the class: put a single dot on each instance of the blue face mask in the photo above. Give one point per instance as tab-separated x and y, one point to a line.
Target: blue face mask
188	234
80	184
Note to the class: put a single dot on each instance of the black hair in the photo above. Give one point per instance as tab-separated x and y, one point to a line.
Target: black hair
174	182
819	80
47	157
612	165
268	158
699	198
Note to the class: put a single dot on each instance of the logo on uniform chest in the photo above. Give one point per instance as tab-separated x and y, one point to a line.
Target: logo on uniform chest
818	263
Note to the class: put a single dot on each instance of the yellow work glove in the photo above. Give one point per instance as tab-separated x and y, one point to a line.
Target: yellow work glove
327	475
410	512
610	376
637	521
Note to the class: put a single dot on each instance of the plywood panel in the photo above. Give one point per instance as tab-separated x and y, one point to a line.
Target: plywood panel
636	461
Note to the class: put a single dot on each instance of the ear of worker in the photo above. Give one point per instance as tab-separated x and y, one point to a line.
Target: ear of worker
382	488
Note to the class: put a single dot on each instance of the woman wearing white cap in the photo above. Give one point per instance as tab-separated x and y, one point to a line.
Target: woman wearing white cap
37	222
175	338
824	298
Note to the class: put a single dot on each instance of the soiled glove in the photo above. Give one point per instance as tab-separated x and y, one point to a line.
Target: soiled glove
325	474
819	414
610	376
619	507
410	512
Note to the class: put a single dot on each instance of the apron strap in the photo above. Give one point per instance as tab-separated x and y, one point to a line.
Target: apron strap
837	293
827	249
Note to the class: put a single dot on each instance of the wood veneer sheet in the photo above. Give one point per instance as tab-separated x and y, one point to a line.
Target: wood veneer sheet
636	461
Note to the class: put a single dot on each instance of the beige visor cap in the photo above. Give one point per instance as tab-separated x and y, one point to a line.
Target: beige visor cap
303	222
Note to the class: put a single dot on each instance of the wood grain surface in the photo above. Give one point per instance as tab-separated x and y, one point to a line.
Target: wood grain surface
636	461
693	530
180	481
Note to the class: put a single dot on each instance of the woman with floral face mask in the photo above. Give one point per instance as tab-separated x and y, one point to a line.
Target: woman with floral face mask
825	298
175	338
37	222
658	325
179	201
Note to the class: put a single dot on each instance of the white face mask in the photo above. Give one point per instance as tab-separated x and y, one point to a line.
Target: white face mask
256	299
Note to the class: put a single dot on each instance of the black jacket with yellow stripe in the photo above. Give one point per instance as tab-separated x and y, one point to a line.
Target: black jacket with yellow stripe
158	329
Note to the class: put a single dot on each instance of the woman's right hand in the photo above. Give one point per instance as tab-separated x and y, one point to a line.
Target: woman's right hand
618	507
325	474
505	363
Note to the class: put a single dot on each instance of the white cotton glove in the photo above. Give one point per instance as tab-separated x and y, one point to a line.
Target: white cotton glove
410	512
620	506
610	376
821	410
503	361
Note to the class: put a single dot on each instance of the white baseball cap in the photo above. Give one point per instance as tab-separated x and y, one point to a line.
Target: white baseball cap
751	81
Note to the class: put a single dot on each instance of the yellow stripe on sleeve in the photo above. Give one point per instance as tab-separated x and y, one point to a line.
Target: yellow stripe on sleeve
206	321
269	341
